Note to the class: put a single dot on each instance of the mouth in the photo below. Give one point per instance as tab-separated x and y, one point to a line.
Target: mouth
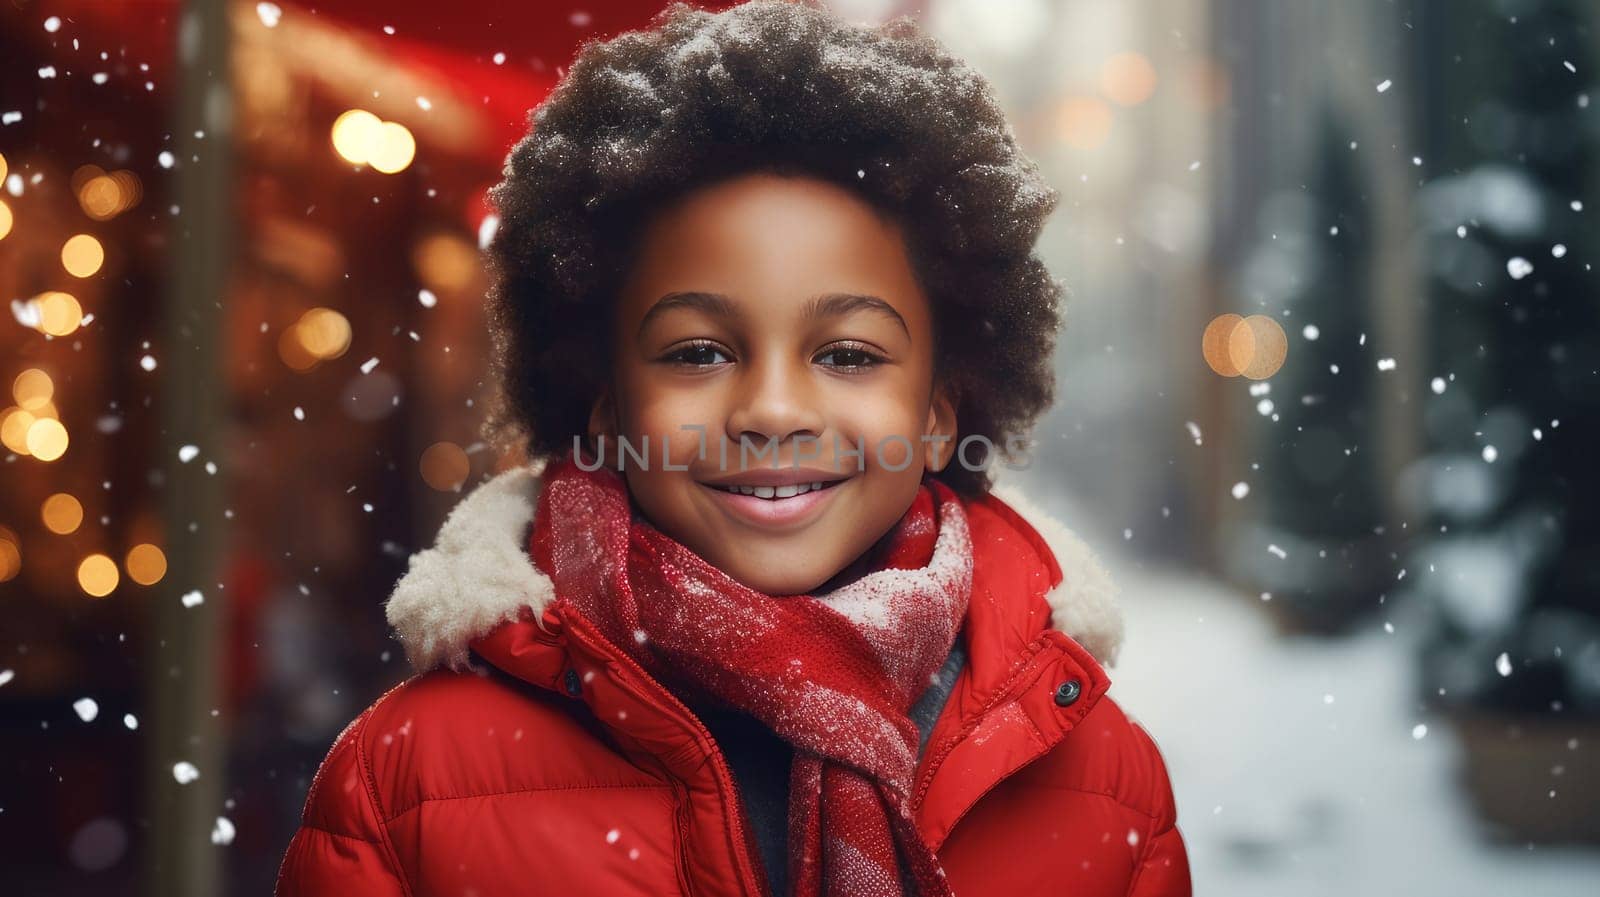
783	506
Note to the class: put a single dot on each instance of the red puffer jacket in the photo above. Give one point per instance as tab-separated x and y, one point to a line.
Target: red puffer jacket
539	759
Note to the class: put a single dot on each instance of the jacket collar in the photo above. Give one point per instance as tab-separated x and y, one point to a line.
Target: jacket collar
478	574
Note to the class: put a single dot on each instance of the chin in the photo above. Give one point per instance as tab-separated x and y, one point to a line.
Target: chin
763	580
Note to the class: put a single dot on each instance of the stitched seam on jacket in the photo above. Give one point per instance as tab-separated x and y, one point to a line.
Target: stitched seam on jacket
1147	852
1108	795
331	832
370	781
541	788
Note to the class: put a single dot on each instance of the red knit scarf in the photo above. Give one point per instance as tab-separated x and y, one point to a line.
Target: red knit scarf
835	674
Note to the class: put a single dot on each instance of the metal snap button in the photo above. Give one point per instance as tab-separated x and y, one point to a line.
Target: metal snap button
1068	691
574	687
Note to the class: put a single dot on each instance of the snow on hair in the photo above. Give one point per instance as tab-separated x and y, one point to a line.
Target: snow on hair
885	111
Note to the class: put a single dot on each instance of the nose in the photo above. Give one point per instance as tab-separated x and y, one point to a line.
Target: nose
774	404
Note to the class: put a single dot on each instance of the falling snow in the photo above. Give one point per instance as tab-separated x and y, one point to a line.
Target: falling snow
269	14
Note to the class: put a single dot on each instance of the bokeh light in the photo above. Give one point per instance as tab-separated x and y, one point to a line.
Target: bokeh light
446	263
46	439
445	466
32	390
1214	344
324	333
5	219
97	575
82	255
394	150
355	133
1254	347
146	564
14	424
102	195
320	334
364	139
61	513
10	555
1127	79
1083	122
59	313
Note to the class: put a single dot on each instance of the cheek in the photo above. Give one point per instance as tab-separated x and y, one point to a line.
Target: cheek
681	420
888	422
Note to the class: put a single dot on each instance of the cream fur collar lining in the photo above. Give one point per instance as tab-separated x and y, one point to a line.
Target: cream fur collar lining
478	574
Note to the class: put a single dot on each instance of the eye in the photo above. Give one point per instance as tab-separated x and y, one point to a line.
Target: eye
850	357
700	353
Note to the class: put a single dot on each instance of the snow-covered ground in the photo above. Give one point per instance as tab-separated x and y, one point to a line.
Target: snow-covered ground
1296	761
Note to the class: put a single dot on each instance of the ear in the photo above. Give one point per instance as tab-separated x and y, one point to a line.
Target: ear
603	420
937	452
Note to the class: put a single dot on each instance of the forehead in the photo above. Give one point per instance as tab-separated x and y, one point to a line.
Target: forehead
782	239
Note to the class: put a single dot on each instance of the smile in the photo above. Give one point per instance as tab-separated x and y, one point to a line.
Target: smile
784	506
776	492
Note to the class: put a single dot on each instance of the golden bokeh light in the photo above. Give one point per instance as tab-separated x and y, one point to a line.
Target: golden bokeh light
293	352
46	439
59	313
10	555
1083	122
355	133
146	564
32	389
3	167
14	424
1128	79
1214	344
61	513
1253	347
445	466
1209	82
100	197
395	148
104	196
446	263
83	174
323	333
5	219
82	255
364	139
1258	347
97	575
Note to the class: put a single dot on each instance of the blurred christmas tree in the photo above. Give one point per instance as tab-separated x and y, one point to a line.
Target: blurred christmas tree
1317	423
1507	560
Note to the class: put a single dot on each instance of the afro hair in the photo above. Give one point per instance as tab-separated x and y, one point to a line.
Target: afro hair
778	86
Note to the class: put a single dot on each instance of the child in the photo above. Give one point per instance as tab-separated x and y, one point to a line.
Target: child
753	619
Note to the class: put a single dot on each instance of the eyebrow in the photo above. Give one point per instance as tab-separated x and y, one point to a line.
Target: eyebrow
826	305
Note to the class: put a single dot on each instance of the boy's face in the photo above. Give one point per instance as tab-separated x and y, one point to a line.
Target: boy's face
782	310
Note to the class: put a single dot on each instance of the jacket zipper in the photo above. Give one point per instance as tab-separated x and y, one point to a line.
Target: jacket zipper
725	785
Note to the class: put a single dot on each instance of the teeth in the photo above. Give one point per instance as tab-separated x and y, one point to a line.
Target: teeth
773	492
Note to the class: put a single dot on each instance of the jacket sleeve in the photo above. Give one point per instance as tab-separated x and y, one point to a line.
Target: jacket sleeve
1162	869
342	848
